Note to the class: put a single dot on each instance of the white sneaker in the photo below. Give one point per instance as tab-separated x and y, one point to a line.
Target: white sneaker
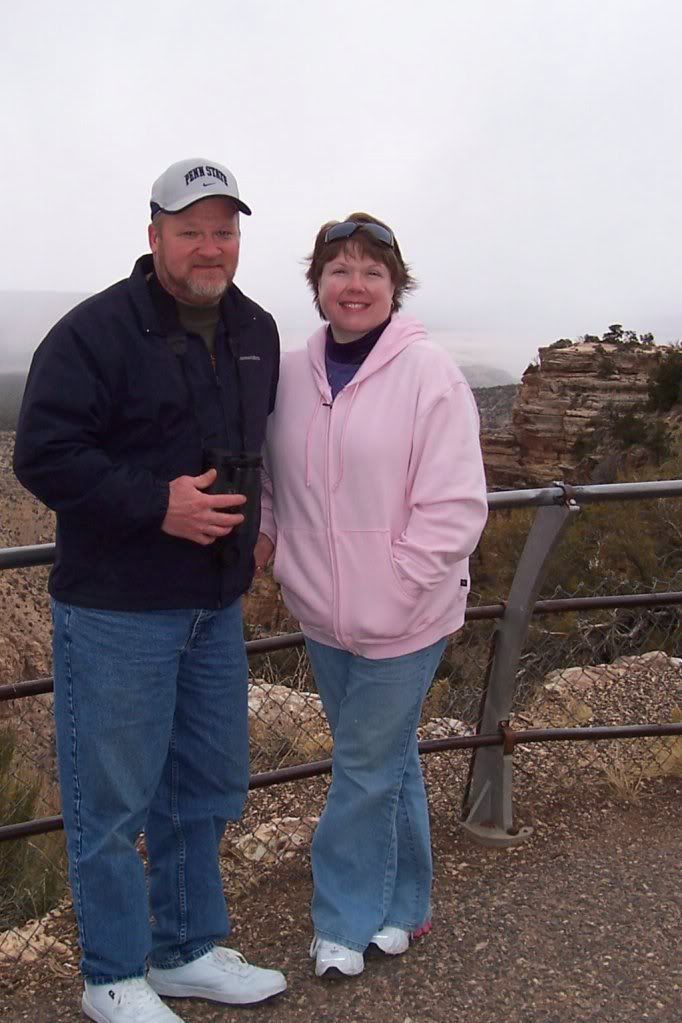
126	1001
391	940
329	955
222	975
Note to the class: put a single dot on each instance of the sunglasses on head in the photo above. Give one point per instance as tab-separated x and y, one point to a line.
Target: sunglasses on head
349	227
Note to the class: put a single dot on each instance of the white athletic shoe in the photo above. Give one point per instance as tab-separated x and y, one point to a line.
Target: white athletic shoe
222	975
125	1001
391	940
329	955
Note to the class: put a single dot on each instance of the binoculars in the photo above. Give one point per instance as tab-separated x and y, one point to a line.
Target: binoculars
237	474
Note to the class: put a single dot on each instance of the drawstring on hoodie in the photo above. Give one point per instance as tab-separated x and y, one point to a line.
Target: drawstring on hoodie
321	403
337	482
309	441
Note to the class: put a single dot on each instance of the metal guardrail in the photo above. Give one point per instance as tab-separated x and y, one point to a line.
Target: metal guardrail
540	497
485	612
506	737
559	493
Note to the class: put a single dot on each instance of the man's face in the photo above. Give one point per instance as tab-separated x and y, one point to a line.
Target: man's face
196	251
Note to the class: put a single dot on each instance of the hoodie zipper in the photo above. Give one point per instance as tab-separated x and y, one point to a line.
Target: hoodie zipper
330	526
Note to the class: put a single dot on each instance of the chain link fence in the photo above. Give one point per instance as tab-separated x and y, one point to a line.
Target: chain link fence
603	667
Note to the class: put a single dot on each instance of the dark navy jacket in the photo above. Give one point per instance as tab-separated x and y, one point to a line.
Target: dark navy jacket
119	401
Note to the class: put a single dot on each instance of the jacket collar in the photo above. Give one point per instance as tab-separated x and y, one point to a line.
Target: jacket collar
156	307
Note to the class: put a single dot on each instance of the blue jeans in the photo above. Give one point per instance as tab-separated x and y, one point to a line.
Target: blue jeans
371	852
151	721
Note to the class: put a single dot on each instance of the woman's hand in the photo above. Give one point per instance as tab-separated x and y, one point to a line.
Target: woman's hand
263	551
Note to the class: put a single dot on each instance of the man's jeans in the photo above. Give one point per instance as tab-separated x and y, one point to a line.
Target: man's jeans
371	852
151	719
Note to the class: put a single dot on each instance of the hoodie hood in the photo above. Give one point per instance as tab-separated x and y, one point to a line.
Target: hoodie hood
400	332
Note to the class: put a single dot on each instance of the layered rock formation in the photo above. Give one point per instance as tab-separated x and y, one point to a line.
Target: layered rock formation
495	405
562	402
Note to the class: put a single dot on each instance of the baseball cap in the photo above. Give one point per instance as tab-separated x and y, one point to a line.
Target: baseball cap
188	181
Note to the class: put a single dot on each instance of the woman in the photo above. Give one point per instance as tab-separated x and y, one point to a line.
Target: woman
376	499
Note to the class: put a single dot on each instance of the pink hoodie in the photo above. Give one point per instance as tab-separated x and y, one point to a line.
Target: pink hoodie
375	501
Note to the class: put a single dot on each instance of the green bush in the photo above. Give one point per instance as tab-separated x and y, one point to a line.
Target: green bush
628	428
585	445
606	366
631	429
665	387
615	335
32	870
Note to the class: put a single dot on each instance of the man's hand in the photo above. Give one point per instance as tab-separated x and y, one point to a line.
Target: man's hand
200	517
263	551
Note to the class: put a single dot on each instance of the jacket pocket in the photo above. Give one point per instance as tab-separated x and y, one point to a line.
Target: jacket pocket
374	603
302	567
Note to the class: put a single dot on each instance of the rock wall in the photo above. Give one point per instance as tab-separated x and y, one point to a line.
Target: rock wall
561	403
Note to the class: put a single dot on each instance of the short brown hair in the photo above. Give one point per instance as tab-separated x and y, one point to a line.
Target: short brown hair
323	252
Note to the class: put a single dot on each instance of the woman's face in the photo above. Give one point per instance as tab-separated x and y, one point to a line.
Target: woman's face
355	293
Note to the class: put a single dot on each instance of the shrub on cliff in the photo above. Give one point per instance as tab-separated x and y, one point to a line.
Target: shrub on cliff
665	387
615	335
628	428
606	366
617	434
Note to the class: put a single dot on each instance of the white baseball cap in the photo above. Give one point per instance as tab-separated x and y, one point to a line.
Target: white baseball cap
189	181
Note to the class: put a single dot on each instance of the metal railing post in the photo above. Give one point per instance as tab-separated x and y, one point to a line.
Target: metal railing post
488	807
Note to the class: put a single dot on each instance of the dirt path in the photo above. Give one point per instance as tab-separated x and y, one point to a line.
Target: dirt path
582	923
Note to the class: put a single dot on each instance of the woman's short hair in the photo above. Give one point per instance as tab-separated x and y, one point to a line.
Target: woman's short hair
367	245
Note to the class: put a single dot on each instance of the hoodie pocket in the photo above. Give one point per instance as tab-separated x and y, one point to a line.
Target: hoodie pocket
374	604
302	568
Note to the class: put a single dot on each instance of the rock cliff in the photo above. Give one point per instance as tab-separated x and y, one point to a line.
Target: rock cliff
563	403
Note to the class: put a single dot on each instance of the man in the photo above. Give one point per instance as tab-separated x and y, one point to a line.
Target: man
127	400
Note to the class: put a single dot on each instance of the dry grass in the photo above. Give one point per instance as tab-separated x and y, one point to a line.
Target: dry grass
32	871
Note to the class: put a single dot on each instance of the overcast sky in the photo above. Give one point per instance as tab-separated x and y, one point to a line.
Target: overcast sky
528	153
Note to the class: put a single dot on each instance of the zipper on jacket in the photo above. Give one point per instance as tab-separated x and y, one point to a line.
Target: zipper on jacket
211	356
336	613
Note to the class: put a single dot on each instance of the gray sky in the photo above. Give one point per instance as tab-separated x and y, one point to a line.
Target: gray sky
528	153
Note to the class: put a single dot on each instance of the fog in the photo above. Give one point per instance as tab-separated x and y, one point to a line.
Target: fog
528	154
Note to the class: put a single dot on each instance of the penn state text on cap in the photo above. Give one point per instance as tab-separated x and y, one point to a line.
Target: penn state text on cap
189	181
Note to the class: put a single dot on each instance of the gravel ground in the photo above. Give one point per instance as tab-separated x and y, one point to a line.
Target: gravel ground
583	922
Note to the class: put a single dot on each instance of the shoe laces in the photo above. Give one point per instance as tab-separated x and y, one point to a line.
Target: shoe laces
328	947
231	960
136	994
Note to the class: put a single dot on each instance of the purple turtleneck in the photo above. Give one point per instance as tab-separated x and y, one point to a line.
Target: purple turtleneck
342	361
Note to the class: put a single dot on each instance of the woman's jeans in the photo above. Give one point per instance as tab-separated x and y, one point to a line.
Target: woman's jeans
151	720
371	852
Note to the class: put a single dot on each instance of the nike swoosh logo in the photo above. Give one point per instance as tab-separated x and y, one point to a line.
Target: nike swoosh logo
208	184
